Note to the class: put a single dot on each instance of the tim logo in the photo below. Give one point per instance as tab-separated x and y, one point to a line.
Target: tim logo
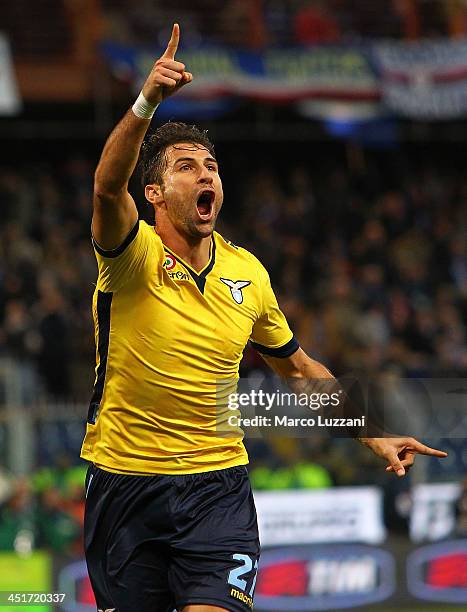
304	578
236	288
438	572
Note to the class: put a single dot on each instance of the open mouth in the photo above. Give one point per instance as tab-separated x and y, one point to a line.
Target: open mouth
204	203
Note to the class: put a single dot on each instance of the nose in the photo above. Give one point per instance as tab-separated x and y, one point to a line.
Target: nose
205	176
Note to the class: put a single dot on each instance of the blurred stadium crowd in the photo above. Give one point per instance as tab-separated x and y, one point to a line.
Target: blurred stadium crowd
367	254
369	265
256	23
57	27
45	510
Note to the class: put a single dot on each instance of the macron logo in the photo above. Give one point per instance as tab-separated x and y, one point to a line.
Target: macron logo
236	288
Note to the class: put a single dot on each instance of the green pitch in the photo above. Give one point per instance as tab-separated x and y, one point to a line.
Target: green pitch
25	573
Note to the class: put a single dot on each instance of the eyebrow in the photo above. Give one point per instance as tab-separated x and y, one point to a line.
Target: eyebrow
206	159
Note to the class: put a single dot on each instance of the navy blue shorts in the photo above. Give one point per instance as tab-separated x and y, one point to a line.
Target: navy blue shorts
158	543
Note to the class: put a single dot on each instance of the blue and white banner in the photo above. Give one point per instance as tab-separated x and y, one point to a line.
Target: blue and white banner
277	75
323	74
424	80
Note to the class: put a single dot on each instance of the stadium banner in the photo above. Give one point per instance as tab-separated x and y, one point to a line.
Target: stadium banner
438	572
433	512
10	101
420	80
426	80
344	514
324	577
324	550
333	577
331	73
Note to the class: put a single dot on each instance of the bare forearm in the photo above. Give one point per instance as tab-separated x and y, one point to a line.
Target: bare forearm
120	154
304	375
309	376
121	151
299	370
114	210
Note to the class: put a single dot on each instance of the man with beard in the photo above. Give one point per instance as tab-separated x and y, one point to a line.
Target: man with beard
170	518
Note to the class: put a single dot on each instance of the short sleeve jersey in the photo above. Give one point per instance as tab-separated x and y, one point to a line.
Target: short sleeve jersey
167	337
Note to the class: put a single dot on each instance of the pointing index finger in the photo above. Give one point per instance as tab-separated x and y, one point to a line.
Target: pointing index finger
426	450
173	42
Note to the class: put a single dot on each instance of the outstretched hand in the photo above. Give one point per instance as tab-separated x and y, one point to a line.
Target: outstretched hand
167	75
400	452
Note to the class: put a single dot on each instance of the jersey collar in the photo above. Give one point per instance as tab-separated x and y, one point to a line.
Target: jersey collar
198	277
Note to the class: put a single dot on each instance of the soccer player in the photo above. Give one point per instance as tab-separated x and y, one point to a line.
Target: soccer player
170	520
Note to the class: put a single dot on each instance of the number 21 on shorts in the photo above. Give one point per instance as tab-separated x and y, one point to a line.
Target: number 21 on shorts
235	575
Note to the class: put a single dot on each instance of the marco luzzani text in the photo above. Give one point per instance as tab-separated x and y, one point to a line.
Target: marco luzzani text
267	401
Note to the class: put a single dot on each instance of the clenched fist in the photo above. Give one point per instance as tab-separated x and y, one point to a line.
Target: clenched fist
167	75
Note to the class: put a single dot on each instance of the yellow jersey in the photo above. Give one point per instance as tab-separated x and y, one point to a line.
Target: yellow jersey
166	335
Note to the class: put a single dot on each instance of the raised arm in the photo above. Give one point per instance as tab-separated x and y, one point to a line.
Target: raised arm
304	375
114	210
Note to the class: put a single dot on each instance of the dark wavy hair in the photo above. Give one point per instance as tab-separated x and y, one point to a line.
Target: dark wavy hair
153	160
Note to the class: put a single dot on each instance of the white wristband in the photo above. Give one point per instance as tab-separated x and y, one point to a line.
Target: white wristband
142	108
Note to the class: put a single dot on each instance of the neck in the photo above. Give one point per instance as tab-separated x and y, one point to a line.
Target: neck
194	251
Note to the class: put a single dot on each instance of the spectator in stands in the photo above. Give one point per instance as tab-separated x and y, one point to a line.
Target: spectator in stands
410	18
456	15
54	354
58	530
18	528
314	24
21	345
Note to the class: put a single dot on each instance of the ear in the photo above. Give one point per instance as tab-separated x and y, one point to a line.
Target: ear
154	195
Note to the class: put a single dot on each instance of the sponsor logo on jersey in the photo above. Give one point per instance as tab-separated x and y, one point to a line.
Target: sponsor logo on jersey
236	288
242	597
179	275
